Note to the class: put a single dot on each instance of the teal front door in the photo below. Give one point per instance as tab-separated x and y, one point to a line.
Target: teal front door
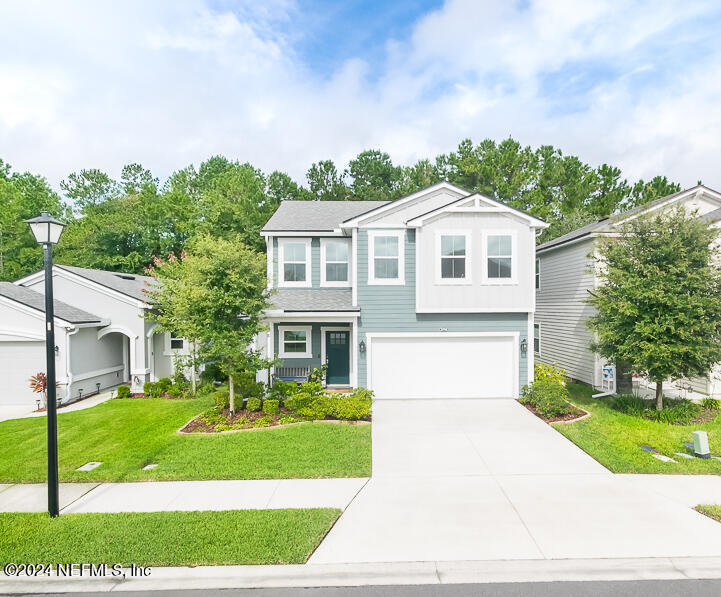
337	354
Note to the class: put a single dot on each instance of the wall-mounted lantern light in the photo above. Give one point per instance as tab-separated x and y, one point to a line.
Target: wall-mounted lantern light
524	347
362	346
57	351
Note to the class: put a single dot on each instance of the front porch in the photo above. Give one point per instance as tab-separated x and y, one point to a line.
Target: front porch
302	344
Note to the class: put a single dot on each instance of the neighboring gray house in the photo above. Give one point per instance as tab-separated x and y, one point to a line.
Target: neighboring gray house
102	336
565	276
428	296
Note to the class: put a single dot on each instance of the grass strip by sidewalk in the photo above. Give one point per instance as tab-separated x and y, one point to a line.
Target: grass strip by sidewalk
711	511
613	438
165	538
127	434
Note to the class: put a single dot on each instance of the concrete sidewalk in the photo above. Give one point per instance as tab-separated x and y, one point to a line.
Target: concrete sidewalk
152	496
350	575
13	411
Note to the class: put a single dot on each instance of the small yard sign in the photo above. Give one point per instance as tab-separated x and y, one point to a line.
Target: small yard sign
608	378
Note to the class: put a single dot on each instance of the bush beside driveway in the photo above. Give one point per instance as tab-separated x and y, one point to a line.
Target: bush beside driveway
125	435
613	438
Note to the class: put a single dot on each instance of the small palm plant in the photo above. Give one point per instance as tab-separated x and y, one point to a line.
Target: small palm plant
39	385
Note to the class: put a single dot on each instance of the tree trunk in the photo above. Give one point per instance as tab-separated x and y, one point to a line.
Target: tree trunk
231	388
659	395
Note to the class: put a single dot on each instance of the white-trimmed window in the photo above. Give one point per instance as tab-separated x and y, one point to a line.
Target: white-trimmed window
453	257
500	266
386	257
294	262
538	273
537	338
294	342
334	262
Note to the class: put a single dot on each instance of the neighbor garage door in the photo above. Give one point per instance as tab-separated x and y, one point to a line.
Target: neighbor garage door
442	366
19	361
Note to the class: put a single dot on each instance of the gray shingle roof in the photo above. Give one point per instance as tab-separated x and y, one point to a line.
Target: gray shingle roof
309	299
573	235
131	285
317	216
36	301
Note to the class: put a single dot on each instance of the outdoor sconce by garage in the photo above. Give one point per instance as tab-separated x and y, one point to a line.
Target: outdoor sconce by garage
362	346
524	347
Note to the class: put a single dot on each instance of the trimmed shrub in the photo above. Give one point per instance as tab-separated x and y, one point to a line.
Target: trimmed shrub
263	422
174	391
247	387
163	384
543	372
221	399
123	391
282	390
148	388
713	403
351	408
271	407
254	404
287	420
212	417
550	399
318	375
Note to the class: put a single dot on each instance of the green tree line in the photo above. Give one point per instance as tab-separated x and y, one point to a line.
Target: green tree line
123	224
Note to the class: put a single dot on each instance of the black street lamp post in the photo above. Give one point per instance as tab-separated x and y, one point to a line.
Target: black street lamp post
47	231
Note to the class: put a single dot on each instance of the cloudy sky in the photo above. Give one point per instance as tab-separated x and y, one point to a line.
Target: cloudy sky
282	84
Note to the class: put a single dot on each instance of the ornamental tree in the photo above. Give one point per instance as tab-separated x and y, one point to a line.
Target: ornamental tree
214	296
658	306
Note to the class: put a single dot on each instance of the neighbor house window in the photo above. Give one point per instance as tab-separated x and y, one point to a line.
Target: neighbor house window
294	266
176	343
295	342
453	252
385	258
499	253
334	262
537	338
538	273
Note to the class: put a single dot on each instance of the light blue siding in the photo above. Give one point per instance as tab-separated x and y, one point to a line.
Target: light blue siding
393	309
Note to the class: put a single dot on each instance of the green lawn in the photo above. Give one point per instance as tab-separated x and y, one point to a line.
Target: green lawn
710	511
125	435
165	538
613	439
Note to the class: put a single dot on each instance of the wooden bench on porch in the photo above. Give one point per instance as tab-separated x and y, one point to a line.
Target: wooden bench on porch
297	374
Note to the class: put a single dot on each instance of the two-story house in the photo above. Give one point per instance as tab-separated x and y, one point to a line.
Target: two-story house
428	296
565	275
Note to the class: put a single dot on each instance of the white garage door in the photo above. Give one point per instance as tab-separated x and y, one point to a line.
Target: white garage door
442	366
18	362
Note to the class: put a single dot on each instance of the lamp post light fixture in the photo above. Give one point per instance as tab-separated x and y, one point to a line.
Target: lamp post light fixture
47	231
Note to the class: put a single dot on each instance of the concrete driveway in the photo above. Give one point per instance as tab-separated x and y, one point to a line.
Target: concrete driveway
487	480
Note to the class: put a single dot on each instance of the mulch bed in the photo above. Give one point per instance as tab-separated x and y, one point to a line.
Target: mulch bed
197	425
576	413
707	414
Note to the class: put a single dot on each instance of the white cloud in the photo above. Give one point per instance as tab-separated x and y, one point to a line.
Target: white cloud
168	83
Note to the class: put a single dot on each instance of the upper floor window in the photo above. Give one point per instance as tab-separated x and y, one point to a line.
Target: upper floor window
500	266
538	273
385	257
335	262
294	266
453	255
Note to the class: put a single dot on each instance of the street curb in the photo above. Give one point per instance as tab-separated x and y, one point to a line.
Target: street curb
395	573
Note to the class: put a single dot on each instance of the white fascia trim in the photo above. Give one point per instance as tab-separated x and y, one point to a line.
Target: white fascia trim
400	280
325	283
500	309
304	315
22	335
354	222
308	283
713	195
585	237
302	233
476	198
437	258
370	336
513	280
308	342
